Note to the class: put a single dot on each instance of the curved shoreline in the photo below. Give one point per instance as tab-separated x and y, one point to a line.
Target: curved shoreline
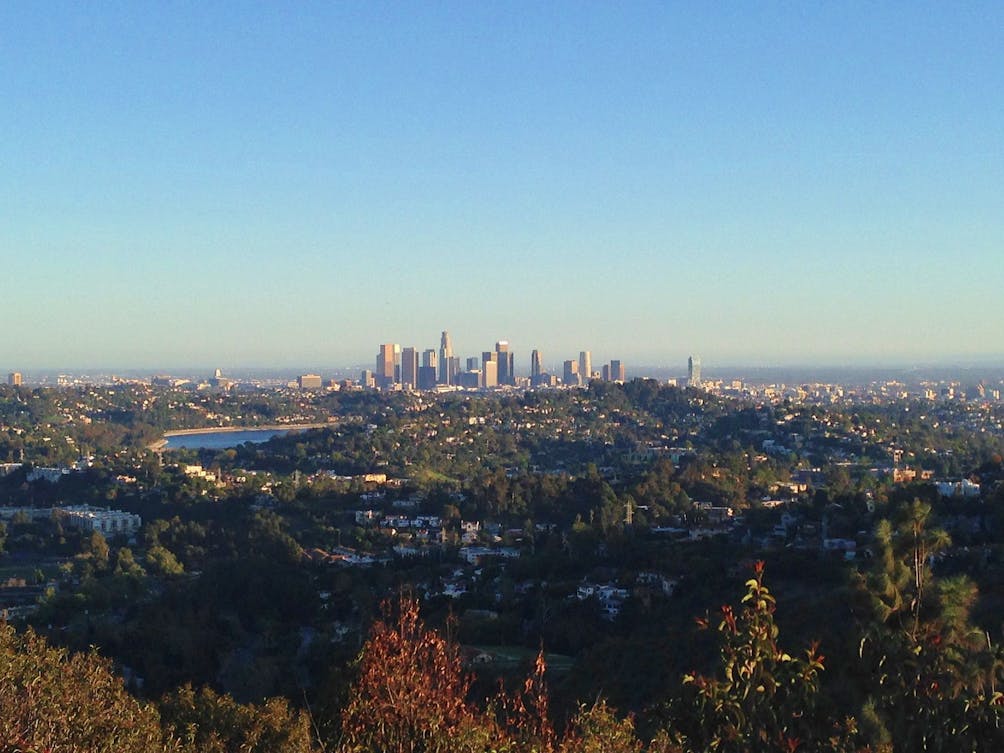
161	443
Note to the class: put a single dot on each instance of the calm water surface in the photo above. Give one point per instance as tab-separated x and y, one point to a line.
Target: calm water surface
221	440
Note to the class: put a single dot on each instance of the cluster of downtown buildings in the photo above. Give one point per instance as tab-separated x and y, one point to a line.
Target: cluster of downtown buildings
408	368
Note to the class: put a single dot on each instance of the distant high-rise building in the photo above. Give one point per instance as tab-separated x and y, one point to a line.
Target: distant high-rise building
366	379
218	381
384	372
452	368
14	379
472	364
606	373
427	376
429	372
585	366
409	367
694	371
507	373
490	372
445	357
471	379
570	374
309	381
617	371
536	367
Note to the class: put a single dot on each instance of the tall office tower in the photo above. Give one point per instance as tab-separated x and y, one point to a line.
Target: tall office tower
452	369
570	375
14	379
617	372
490	373
309	381
507	374
469	379
489	368
472	364
606	372
445	354
409	367
384	371
536	367
427	377
694	371
585	366
427	374
366	378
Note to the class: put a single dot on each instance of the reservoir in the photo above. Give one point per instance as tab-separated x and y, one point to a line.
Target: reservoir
220	440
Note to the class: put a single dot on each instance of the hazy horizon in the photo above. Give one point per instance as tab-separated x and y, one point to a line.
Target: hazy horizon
846	373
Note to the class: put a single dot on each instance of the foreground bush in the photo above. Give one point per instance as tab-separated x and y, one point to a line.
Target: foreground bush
51	700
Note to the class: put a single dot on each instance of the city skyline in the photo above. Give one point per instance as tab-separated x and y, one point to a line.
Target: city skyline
551	362
397	365
243	186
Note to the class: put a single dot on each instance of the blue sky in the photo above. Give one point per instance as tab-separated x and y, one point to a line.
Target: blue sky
242	184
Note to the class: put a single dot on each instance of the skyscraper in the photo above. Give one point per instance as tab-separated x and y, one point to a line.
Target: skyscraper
409	367
445	358
384	371
489	370
694	371
617	372
309	381
585	366
14	379
570	375
426	378
507	373
536	367
427	371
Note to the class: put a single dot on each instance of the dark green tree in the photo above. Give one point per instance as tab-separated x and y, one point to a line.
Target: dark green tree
760	698
930	678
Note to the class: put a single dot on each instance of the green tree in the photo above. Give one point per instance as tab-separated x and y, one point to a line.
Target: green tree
97	547
125	563
162	561
207	722
929	676
51	700
597	729
761	698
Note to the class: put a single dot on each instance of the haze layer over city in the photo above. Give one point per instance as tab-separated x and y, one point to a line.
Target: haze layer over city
259	188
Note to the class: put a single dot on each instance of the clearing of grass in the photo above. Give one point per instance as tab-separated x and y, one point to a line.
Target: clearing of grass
514	656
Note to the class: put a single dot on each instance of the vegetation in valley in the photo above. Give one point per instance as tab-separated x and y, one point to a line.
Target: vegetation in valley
552	568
